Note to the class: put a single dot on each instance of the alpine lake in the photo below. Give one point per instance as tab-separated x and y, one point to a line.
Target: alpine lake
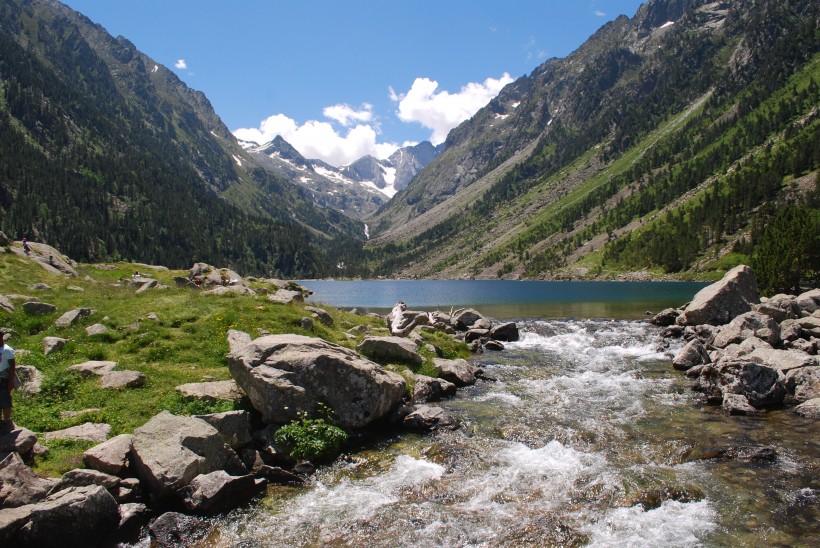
587	437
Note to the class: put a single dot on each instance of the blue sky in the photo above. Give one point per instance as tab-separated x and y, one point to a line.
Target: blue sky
343	79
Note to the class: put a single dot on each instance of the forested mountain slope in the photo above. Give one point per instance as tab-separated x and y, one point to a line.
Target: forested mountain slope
667	144
108	155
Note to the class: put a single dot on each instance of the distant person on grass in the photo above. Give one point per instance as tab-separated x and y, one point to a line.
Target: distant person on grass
7	366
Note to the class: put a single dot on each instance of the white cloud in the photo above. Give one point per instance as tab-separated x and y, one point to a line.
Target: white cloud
600	13
320	140
346	115
181	64
441	111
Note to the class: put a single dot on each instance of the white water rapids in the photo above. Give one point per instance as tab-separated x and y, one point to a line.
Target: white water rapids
583	419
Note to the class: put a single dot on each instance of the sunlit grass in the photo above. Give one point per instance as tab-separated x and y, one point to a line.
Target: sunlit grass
185	343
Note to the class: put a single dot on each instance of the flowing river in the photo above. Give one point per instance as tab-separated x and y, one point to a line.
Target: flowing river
585	428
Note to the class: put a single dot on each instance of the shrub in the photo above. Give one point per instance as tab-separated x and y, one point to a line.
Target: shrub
315	440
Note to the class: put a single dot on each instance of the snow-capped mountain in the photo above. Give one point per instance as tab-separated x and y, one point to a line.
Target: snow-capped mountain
357	189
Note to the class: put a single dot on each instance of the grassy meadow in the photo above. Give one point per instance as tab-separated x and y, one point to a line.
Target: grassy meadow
185	343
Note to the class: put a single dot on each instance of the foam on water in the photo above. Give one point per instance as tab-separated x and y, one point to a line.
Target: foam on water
672	524
548	473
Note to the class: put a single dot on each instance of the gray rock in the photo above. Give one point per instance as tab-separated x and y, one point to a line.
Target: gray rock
749	324
77	516
390	350
495	346
803	383
93	367
88	431
36	308
809	301
19	485
80	477
737	404
17	440
809	409
321	314
39	287
173	530
666	317
464	319
474	334
96	329
215	492
71	317
169	451
426	418
11	521
122	379
212	391
31	379
286	296
809	326
458	372
233	426
306	323
507	332
284	375
112	456
762	386
692	354
150	284
720	302
230	289
428	389
782	360
237	339
6	305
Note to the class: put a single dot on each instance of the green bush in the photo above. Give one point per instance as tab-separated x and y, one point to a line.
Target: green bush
315	440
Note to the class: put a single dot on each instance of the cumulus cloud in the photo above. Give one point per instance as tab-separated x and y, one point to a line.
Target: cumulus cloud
181	64
600	13
353	132
441	111
320	140
347	115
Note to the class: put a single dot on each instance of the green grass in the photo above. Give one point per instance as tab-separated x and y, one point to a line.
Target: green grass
187	344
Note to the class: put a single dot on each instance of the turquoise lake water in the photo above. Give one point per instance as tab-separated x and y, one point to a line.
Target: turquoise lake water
506	299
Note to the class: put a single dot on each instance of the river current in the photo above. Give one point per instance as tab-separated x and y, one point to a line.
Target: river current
587	437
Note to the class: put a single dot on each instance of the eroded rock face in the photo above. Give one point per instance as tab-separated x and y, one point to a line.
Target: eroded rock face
719	303
284	375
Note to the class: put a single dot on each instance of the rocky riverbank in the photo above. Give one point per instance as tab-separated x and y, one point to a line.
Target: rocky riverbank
174	471
747	353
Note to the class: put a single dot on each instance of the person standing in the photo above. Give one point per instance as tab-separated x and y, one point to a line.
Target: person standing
7	367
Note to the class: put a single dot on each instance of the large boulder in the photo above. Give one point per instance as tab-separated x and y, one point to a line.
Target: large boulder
390	350
782	360
809	302
53	344
284	375
809	409
803	384
429	389
762	386
77	516
170	451
87	431
719	303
